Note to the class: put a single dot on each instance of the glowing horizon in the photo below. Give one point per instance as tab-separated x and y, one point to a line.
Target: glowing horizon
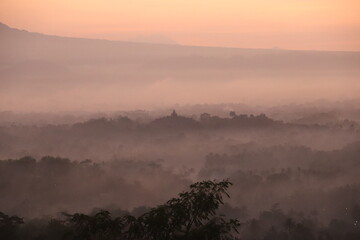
319	25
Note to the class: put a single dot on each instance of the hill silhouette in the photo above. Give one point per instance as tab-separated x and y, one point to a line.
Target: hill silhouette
42	72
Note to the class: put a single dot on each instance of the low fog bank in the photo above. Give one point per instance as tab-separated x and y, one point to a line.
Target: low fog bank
48	73
187	139
322	112
45	96
310	182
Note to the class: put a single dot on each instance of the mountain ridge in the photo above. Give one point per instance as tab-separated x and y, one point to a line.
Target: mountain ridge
6	27
39	70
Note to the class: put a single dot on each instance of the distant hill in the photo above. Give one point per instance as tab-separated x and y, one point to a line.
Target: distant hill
59	66
17	46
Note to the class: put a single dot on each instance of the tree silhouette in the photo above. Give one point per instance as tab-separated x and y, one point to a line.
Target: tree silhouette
9	226
192	215
100	226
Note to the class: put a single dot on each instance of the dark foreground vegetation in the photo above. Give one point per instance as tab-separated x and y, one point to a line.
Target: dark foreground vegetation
193	215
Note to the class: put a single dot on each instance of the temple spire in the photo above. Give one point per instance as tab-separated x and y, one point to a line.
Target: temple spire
174	114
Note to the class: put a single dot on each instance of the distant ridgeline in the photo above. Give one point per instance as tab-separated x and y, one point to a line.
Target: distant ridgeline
175	121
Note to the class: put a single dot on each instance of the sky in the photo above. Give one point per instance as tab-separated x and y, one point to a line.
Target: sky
288	24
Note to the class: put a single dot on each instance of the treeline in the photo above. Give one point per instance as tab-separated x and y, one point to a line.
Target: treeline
294	177
178	122
195	214
252	156
122	127
31	187
203	121
192	215
103	138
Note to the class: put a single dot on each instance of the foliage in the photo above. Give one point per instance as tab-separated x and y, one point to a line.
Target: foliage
9	226
190	216
100	226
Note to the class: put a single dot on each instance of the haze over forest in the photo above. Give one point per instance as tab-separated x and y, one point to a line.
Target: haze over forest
50	73
96	136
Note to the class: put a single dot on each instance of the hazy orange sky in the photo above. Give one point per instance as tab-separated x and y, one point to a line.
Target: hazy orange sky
290	24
